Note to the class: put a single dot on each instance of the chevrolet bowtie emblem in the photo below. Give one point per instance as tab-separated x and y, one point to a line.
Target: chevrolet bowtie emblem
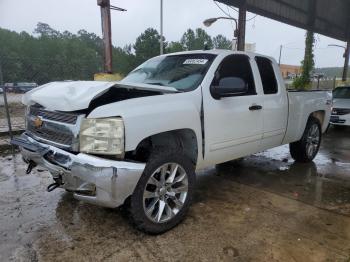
38	122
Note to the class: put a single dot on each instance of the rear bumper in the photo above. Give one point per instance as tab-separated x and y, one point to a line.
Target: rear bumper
92	179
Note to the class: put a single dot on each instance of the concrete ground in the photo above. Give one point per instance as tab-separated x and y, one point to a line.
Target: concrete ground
266	208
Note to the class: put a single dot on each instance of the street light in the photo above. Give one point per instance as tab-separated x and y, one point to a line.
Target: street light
208	22
346	56
161	28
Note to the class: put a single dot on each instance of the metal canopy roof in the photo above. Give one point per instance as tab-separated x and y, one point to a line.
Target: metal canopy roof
328	17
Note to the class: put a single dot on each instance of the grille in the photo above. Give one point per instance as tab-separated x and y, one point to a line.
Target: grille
54	115
51	135
340	111
57	132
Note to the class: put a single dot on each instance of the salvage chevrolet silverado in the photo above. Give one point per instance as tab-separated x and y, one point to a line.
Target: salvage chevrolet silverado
138	142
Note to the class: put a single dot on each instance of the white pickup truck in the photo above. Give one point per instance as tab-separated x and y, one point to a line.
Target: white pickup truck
139	141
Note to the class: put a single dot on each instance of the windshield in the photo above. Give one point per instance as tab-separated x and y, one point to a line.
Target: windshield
183	72
342	92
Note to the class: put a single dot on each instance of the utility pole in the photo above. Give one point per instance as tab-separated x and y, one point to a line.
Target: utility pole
107	31
161	28
242	15
279	60
346	63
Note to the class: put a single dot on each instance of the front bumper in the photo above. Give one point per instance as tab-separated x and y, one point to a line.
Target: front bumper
92	179
342	120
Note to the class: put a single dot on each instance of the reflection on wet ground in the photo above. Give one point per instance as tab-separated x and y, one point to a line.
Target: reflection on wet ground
265	208
325	183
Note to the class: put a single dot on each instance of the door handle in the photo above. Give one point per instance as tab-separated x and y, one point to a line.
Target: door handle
255	107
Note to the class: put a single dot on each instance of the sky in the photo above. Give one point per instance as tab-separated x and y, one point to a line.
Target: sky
179	15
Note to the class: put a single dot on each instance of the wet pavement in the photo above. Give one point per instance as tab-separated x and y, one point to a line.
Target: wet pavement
264	208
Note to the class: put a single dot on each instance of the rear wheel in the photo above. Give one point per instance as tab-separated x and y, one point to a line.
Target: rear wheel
163	195
307	147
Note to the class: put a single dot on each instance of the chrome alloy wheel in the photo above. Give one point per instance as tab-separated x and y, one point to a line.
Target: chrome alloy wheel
312	140
165	192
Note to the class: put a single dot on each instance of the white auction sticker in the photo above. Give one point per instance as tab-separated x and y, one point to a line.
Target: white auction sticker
195	61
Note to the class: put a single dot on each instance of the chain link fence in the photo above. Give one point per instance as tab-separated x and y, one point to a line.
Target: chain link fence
11	106
20	74
18	77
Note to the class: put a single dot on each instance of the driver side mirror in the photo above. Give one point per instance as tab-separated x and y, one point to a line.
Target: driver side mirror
229	86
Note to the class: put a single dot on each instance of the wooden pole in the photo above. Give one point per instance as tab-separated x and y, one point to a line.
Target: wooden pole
107	33
242	15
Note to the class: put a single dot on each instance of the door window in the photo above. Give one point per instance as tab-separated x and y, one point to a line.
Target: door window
267	74
236	66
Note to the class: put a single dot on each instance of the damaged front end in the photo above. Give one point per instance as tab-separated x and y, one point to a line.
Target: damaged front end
92	179
62	138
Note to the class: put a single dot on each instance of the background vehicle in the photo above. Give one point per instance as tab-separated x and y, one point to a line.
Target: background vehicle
23	87
341	106
139	141
9	87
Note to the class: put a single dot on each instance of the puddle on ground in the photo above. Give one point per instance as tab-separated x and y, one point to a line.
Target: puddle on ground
324	183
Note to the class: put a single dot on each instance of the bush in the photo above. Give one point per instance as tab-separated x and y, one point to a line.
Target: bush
301	83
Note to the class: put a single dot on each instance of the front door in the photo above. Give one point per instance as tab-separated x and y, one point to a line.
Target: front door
233	125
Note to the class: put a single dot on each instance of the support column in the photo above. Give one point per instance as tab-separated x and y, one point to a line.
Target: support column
242	17
107	33
346	63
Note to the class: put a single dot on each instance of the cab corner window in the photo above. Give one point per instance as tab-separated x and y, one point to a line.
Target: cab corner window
267	74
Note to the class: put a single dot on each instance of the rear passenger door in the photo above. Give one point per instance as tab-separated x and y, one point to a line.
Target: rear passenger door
275	103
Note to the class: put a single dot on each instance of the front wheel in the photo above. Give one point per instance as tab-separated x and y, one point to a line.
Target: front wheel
307	147
163	195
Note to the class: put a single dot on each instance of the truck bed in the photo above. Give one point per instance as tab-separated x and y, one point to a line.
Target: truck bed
301	105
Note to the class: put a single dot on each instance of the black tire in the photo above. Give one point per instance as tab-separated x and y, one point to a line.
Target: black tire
136	208
299	149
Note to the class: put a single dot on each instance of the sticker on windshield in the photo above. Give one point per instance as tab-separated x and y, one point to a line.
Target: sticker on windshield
195	61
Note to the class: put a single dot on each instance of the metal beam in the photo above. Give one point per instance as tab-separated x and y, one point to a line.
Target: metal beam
330	17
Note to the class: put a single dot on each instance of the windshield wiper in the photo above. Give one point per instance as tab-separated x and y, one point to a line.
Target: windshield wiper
155	83
161	84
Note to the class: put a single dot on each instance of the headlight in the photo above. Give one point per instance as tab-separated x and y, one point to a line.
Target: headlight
103	136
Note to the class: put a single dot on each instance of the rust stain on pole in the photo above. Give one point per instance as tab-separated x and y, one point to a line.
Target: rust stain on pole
107	33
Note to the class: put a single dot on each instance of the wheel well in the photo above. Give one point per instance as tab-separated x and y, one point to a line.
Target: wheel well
183	139
319	115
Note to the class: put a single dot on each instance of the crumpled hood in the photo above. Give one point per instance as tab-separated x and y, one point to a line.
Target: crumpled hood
77	95
341	103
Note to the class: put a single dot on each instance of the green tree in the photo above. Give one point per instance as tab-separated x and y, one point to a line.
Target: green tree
123	60
44	30
308	64
196	40
174	47
147	45
49	55
221	42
